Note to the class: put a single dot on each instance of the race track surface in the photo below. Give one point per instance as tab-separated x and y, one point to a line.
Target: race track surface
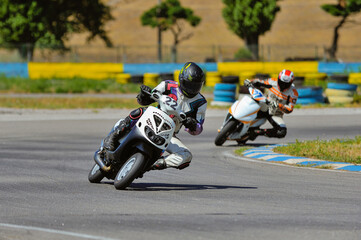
44	191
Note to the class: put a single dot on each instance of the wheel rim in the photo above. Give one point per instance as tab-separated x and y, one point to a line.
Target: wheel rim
126	168
95	169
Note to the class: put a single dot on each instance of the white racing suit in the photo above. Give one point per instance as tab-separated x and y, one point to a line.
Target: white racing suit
280	103
179	155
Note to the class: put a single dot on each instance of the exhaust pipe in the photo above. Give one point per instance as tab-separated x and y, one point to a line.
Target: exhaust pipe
100	162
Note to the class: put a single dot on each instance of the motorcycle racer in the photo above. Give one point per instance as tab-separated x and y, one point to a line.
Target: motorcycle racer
187	94
281	99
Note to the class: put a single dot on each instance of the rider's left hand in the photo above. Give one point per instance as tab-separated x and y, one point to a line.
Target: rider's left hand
143	97
191	124
248	83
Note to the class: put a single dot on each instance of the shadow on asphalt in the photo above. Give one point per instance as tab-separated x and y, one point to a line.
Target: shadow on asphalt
179	187
247	145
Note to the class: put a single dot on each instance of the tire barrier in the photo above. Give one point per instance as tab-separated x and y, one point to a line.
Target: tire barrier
243	90
342	86
151	79
14	69
176	75
310	95
213	78
309	100
337	99
340	92
245	75
166	76
299	81
71	70
230	79
137	79
339	78
123	78
224	94
354	78
262	76
316	79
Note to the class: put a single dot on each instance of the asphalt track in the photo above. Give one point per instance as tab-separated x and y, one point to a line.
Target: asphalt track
45	158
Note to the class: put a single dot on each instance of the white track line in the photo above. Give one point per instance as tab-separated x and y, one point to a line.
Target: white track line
55	231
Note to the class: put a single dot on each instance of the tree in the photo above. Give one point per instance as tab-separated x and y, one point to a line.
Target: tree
343	9
249	19
170	15
50	22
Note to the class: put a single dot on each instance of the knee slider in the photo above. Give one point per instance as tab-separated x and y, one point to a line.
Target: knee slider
135	114
281	132
187	158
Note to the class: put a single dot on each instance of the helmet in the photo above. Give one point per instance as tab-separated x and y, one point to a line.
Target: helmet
191	78
285	79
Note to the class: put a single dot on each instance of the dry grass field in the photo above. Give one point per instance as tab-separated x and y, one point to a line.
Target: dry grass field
301	29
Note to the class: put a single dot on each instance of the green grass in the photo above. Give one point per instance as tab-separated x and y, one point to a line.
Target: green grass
336	150
67	103
241	150
78	85
75	85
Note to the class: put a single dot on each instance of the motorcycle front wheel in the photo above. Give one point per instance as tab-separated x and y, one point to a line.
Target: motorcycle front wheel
129	171
226	130
95	175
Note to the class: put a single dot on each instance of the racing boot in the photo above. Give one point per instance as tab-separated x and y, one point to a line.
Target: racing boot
160	164
110	142
255	133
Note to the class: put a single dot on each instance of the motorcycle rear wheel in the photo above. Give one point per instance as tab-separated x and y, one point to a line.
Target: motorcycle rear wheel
95	175
129	171
227	129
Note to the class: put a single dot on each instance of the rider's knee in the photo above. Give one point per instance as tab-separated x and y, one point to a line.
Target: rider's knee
276	132
187	158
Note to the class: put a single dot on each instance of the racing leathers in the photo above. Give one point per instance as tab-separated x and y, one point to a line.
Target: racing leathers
279	103
195	108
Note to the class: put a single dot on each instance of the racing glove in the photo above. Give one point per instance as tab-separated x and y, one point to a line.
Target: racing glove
248	83
256	83
143	97
191	124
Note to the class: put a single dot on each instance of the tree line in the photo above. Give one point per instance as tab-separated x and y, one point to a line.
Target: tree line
25	24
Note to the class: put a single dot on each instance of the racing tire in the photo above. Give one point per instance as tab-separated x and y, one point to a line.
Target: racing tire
130	170
227	129
95	175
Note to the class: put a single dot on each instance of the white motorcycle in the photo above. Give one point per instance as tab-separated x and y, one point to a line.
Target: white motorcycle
142	146
244	116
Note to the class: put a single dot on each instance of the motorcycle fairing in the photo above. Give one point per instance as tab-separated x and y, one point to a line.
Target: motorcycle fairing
257	94
155	124
245	110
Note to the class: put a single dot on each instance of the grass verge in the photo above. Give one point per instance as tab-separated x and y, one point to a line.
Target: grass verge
67	103
336	150
74	85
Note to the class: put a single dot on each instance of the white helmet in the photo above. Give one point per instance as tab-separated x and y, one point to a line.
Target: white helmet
285	79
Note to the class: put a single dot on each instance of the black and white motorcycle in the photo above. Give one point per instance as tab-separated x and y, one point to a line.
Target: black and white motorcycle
142	146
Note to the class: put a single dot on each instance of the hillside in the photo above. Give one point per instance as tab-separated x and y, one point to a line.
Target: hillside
301	29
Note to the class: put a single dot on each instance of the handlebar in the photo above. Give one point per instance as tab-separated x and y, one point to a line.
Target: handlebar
262	85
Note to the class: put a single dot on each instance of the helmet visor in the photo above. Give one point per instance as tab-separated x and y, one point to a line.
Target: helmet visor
284	85
190	88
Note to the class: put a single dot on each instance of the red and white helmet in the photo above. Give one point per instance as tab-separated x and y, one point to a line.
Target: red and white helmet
285	79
